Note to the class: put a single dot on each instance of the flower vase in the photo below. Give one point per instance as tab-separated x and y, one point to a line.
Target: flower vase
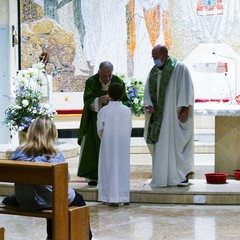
22	135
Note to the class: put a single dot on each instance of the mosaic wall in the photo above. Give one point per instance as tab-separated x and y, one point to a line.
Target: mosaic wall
78	35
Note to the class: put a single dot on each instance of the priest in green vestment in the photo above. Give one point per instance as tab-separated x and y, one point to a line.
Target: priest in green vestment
95	97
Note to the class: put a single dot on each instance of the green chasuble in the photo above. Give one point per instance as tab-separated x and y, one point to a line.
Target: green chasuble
88	163
158	98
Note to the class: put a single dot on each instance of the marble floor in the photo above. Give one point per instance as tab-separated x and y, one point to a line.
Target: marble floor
144	221
141	221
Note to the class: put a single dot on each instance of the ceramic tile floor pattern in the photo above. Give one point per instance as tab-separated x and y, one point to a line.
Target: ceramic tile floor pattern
140	221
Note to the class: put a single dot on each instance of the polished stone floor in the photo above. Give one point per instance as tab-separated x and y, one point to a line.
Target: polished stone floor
142	221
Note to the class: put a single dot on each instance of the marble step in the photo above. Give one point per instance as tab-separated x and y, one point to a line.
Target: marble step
70	149
199	192
139	146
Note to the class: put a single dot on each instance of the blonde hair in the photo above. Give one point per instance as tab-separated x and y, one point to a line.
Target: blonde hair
41	137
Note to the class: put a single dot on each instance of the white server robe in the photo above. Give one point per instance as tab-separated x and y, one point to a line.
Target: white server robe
114	125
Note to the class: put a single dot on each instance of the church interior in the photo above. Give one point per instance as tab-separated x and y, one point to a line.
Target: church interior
202	34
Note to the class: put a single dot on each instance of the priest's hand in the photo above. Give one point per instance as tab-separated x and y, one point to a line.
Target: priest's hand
149	108
103	100
183	115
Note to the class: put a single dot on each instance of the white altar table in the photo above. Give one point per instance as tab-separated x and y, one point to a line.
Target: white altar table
227	134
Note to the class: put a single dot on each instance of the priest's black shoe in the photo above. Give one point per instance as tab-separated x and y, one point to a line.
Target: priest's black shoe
92	183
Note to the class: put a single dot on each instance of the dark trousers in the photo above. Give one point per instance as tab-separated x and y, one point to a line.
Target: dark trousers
78	201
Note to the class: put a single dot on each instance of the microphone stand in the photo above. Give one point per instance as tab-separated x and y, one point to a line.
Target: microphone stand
235	62
230	92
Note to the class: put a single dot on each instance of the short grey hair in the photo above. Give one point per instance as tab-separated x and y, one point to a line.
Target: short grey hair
105	64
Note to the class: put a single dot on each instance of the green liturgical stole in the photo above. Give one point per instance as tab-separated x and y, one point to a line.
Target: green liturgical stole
158	102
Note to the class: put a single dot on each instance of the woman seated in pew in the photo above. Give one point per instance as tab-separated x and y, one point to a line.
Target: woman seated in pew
40	147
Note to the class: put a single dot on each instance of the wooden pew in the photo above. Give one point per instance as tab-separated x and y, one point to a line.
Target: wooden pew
68	222
1	233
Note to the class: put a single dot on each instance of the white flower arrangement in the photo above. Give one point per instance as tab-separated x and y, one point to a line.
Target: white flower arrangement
26	103
135	93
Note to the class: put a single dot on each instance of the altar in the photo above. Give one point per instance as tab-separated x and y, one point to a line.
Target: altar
227	134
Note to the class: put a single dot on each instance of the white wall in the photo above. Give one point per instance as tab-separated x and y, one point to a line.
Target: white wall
67	100
4	76
8	60
214	85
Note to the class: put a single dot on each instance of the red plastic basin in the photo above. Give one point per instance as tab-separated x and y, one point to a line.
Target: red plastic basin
237	174
216	178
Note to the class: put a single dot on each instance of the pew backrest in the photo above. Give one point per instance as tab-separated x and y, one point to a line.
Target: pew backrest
45	174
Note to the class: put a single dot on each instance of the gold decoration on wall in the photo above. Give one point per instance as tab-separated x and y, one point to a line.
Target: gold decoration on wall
131	28
166	29
152	19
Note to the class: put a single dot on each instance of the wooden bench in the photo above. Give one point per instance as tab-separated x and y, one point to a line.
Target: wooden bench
1	233
69	223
